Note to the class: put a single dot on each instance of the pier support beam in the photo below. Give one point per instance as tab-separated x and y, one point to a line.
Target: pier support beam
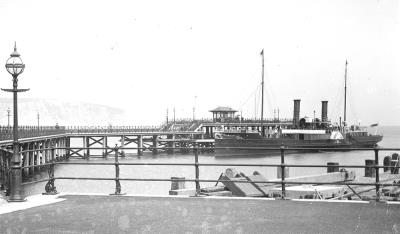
68	145
47	151
36	160
40	146
30	157
25	160
140	145
155	144
171	144
122	146
87	145
105	145
61	151
84	144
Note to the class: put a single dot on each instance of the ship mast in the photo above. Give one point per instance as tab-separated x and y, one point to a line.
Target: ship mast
345	94
262	94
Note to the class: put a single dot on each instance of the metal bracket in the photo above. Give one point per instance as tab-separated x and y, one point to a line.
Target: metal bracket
15	90
50	188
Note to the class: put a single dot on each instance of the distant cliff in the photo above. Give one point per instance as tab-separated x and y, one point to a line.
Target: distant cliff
53	111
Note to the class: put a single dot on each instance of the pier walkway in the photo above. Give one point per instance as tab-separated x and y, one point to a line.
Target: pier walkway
138	214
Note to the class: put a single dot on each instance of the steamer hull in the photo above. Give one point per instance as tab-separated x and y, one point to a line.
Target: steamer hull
253	144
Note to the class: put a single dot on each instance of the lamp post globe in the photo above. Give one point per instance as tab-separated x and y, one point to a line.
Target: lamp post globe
14	64
15	67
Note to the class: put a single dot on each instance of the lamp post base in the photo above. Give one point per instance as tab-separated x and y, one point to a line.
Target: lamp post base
16	187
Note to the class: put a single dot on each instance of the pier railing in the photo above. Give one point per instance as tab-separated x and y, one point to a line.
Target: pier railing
6	132
111	129
283	182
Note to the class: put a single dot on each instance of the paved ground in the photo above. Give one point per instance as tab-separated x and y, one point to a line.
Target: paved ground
111	214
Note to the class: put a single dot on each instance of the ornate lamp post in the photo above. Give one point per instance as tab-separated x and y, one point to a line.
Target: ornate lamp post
15	67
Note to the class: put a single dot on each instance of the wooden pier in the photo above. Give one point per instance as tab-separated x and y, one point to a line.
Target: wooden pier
39	147
141	142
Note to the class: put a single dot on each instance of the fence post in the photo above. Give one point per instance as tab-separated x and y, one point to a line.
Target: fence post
117	183
196	166
377	173
282	148
49	187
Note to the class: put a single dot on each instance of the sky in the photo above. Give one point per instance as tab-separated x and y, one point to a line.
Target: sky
145	57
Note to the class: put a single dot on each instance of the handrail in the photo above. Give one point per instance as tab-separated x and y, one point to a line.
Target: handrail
50	187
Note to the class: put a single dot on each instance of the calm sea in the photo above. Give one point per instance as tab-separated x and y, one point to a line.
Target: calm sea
391	139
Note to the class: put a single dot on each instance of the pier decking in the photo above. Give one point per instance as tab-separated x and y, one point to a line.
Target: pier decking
136	214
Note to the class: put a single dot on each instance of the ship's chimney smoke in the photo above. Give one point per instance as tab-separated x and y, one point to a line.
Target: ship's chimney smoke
296	112
324	112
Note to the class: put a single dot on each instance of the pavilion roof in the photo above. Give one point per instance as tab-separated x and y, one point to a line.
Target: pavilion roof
223	109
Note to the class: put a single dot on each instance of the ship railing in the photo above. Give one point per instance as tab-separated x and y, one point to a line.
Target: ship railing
54	160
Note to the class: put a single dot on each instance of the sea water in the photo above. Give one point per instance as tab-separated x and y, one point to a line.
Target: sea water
391	139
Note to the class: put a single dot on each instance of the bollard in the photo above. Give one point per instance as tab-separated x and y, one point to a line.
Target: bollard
279	172
332	167
386	163
369	169
177	183
377	174
394	169
196	165
283	171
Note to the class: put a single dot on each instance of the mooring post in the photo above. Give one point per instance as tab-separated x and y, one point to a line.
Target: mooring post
117	183
196	166
377	173
283	171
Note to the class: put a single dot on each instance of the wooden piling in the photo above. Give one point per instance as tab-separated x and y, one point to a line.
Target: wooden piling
30	158
171	144
40	154
122	146
88	147
25	160
140	145
47	151
155	144
105	142
35	157
68	145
